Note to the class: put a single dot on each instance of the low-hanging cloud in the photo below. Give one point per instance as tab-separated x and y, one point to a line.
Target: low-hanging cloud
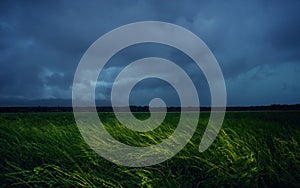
256	43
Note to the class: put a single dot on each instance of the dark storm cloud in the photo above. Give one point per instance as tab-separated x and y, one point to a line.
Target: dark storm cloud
256	43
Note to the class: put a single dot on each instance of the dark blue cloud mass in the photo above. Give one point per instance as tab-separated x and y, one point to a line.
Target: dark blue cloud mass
256	43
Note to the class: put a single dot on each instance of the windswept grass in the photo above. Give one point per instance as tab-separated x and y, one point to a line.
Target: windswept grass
253	149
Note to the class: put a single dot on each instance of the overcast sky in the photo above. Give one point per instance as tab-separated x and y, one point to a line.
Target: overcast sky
256	43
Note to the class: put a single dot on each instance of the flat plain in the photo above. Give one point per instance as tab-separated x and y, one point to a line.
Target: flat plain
253	149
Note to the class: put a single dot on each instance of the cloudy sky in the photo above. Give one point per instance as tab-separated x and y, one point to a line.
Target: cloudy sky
256	43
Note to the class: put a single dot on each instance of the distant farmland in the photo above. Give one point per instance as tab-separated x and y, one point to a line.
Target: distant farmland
253	149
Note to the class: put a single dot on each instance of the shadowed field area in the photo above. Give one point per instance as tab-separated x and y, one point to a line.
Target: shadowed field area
253	149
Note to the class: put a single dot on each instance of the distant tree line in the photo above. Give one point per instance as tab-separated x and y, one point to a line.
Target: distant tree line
274	107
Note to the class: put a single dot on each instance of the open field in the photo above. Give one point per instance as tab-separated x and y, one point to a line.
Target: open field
253	149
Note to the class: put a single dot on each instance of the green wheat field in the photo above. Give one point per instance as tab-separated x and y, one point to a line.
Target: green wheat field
253	149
